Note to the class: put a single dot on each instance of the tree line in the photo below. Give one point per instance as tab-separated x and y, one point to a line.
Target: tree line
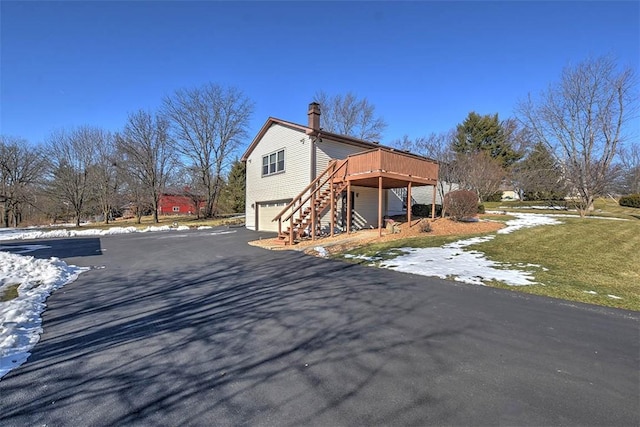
569	141
188	147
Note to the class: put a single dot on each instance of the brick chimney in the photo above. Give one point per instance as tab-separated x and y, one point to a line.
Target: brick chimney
314	118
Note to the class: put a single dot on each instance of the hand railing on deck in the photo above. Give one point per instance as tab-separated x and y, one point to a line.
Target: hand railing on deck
332	169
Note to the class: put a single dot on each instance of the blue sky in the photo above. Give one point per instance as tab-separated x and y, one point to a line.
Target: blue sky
424	65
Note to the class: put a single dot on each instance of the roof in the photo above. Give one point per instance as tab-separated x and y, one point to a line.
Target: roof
333	136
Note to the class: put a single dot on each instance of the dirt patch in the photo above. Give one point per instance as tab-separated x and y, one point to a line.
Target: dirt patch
343	241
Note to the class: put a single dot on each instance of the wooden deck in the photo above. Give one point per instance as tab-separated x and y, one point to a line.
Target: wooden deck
380	168
396	169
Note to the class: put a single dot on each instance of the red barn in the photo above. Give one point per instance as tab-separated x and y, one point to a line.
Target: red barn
176	204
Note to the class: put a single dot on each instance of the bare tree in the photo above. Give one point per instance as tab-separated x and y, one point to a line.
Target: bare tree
72	154
630	162
147	155
479	172
438	147
209	123
105	174
582	120
348	115
21	166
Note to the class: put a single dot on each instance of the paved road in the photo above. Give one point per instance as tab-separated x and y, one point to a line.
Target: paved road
198	328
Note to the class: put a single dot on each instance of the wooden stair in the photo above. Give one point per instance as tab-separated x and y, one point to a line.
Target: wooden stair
311	206
301	225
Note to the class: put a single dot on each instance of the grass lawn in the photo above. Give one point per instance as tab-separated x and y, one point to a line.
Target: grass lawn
606	207
579	257
581	260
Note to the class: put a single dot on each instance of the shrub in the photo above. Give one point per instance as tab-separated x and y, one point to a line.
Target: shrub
481	209
424	226
461	204
543	196
631	201
425	210
494	197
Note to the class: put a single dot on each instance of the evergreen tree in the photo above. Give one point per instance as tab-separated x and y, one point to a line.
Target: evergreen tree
234	193
539	176
486	133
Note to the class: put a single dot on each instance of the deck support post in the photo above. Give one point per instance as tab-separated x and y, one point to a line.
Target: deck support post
433	204
291	231
333	208
349	208
379	206
313	215
409	204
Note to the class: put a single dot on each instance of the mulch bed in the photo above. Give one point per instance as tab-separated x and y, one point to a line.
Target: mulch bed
344	241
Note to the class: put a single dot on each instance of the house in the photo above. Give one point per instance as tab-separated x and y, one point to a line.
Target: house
177	204
301	178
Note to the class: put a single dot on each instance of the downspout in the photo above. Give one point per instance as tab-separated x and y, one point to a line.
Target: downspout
313	172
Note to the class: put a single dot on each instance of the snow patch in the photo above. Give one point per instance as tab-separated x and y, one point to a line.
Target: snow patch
22	234
454	261
20	317
321	251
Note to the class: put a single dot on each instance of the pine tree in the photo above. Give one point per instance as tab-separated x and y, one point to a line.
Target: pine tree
484	134
234	194
539	175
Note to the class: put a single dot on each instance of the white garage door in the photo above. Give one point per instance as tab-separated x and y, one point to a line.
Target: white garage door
266	212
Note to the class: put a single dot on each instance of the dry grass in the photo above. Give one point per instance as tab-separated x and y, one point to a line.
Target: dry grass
10	292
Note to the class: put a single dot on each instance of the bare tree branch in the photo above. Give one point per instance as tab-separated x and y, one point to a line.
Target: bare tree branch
581	119
147	154
209	123
348	115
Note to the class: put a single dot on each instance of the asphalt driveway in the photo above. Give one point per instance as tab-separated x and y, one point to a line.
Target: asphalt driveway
198	328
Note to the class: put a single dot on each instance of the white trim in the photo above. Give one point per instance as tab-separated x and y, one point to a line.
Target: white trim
275	164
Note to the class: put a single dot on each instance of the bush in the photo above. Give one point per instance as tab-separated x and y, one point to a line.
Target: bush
494	197
424	226
543	196
461	204
481	209
631	201
425	210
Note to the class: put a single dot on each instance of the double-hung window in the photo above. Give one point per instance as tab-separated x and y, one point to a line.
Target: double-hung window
273	163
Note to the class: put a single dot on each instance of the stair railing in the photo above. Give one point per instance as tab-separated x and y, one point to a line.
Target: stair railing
331	170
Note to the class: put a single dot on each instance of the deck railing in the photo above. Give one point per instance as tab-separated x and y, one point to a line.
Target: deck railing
378	160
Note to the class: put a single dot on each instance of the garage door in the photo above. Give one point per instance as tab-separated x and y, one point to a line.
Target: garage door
266	212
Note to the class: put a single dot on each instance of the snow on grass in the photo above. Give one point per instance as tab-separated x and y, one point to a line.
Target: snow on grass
20	315
455	262
545	208
321	251
527	221
25	234
608	295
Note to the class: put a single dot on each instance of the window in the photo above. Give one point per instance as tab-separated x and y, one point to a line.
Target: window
176	208
273	163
